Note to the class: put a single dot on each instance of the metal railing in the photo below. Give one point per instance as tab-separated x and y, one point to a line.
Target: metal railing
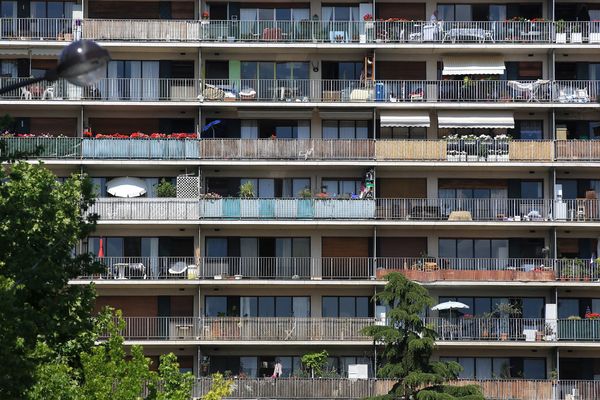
65	29
335	388
311	90
245	328
422	209
287	209
288	149
452	150
107	89
496	329
300	388
146	268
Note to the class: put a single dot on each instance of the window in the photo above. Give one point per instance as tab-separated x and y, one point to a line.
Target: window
222	306
51	9
473	248
339	13
500	367
274	70
530	307
531	190
346	306
527	130
403	133
275	306
345	129
340	187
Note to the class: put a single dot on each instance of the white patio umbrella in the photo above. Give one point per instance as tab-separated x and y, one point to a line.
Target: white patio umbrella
449	305
126	187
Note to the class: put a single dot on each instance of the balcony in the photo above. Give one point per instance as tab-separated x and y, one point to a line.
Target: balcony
412	150
301	91
325	388
228	329
421	269
338	32
495	210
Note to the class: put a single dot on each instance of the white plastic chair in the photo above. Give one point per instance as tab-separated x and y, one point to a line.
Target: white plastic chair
178	268
25	94
48	93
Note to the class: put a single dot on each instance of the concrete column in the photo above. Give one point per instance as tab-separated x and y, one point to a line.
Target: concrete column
432	246
315	306
315	8
316	127
432	187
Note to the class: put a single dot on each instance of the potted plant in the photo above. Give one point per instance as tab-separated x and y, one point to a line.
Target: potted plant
315	362
247	206
504	311
165	189
368	18
576	36
561	33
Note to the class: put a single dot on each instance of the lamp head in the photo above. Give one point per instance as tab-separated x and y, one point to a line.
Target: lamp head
82	62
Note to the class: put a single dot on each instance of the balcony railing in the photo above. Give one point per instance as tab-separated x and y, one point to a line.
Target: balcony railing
453	210
288	149
421	269
310	90
326	388
246	329
107	89
39	29
451	150
305	31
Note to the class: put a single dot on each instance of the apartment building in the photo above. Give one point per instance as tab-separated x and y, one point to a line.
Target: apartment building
455	143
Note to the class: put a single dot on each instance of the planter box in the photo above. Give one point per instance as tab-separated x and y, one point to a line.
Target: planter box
576	37
594	37
561	37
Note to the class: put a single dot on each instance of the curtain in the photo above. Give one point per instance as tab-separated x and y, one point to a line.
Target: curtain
135	83
248	18
111	86
303	130
249	129
151	82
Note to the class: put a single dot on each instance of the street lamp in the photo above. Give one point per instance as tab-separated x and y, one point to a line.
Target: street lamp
80	63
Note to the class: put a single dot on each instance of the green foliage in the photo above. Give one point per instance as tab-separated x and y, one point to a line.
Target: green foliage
109	372
175	385
220	388
247	190
315	362
165	189
408	345
41	221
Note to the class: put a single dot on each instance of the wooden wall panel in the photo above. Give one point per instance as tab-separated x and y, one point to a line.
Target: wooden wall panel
182	9
401	246
124	125
402	188
345	246
401	70
182	306
123	9
410	11
55	126
132	306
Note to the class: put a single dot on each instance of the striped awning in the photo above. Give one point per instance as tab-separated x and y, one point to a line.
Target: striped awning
476	119
394	119
474	65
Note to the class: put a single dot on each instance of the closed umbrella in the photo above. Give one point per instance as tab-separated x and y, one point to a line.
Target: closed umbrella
126	187
101	248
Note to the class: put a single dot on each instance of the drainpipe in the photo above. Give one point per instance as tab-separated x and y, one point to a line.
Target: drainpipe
374	268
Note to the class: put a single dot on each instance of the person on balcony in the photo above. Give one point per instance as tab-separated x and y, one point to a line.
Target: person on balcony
434	17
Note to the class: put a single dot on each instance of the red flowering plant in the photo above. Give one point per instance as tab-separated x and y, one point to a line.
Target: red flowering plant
368	17
467	316
141	135
205	15
591	315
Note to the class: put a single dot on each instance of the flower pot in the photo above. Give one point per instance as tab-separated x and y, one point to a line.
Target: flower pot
576	37
561	37
504	336
362	38
539	336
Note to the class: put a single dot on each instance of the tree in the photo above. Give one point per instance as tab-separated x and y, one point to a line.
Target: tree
407	345
109	372
315	362
220	388
41	222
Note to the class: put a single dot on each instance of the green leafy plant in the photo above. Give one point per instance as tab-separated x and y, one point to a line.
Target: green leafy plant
220	388
247	190
305	193
315	362
165	189
560	26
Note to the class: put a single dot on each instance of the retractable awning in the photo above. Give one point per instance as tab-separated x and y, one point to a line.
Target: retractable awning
394	119
473	65
476	119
